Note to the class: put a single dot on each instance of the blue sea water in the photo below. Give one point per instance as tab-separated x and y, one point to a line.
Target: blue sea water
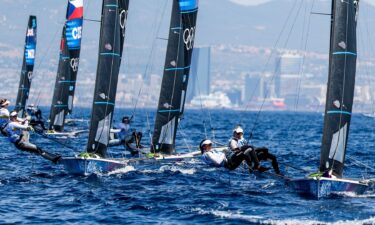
34	191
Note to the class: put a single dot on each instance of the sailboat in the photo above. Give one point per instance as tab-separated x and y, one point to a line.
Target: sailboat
112	36
70	46
27	66
342	69
170	107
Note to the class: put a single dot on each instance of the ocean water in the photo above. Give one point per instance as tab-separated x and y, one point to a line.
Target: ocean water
34	191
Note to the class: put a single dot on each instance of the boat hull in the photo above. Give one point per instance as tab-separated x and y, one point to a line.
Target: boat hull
86	166
322	187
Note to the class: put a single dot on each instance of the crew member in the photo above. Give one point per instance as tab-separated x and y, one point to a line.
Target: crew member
227	158
36	116
4	115
128	135
18	135
239	144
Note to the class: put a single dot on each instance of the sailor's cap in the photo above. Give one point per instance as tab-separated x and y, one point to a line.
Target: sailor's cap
206	142
4	102
238	130
13	114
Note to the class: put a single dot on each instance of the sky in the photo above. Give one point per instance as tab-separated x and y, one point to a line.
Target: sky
258	2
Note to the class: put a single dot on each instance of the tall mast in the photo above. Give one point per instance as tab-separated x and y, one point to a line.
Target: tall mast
112	35
27	66
70	47
176	75
340	88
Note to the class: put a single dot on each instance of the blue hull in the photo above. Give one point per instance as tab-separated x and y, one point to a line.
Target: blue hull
82	166
324	187
85	166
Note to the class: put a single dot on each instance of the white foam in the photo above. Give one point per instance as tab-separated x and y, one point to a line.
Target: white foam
124	170
237	215
189	171
354	195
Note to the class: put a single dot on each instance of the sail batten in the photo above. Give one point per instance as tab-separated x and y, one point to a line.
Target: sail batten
175	76
112	36
27	65
340	89
70	47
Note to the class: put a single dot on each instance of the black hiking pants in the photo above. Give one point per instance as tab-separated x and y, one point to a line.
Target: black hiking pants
31	148
263	155
235	159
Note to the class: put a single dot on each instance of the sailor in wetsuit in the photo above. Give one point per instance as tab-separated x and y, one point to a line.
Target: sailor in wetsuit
227	158
18	135
128	135
36	116
4	115
238	144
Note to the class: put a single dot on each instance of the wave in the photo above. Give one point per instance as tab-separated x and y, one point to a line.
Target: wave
189	171
261	220
124	170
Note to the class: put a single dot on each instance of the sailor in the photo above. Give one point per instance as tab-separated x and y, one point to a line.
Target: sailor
128	135
239	144
36	116
18	135
227	158
4	115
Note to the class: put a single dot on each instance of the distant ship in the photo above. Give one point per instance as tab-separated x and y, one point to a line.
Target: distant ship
213	100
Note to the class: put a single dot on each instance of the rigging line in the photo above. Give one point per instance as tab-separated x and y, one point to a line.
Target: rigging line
343	91
302	69
274	74
361	163
367	77
200	100
150	56
294	167
40	63
58	142
201	104
370	43
272	52
189	147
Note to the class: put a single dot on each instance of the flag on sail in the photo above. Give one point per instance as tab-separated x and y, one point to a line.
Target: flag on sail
75	9
74	21
70	47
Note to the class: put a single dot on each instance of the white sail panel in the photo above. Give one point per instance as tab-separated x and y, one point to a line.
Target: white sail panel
338	144
59	119
167	132
102	134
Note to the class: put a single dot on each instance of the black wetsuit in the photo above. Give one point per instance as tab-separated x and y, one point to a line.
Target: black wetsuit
235	158
37	119
263	155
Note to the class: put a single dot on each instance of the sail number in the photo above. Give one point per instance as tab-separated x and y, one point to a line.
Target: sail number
188	36
77	33
30	53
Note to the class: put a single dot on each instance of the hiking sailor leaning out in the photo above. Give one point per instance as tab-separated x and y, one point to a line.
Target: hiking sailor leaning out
4	115
227	158
239	144
18	135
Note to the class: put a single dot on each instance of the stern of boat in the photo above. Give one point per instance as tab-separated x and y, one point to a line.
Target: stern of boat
321	187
